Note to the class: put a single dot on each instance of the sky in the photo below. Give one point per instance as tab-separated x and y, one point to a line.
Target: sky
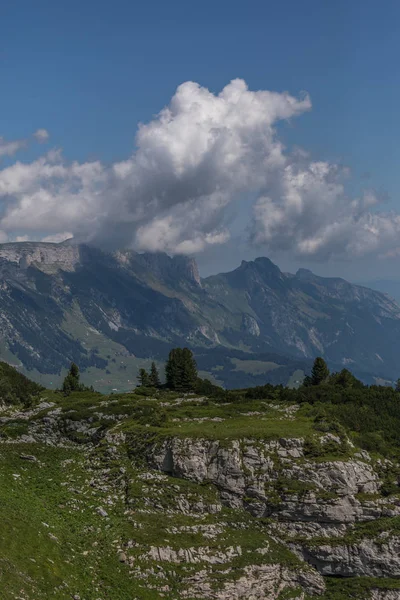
226	130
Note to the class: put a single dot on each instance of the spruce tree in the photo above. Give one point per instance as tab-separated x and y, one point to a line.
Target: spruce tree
154	376
189	372
172	369
144	378
320	371
181	370
71	382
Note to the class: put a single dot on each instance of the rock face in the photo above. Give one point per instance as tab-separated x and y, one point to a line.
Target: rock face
371	558
314	505
41	255
385	595
259	583
248	468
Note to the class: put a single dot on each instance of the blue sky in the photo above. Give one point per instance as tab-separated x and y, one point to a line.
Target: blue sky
88	72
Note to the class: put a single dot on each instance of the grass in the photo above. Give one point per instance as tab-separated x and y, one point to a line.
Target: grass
54	544
191	418
47	534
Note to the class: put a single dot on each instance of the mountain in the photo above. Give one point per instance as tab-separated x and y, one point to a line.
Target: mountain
112	312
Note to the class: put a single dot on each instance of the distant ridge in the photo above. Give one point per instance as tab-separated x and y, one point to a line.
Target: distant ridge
64	302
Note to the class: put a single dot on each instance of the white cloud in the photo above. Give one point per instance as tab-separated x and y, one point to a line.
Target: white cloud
9	148
193	159
41	135
203	152
308	212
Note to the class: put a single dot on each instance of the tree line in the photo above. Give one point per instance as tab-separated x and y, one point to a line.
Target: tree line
180	375
180	372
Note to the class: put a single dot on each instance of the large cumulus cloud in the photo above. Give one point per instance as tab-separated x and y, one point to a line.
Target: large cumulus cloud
202	153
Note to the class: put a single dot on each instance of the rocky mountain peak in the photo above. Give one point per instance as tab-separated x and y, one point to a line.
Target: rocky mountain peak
173	269
260	271
40	254
305	274
187	267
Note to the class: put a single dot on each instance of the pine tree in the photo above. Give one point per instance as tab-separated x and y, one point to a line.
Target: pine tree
320	371
144	378
189	372
398	385
74	371
181	370
71	382
154	376
172	369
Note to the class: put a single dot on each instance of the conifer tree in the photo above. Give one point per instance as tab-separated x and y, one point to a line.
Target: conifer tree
189	371
71	382
172	369
181	370
154	376
144	378
320	371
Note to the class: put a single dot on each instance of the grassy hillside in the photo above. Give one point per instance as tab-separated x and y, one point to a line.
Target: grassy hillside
83	515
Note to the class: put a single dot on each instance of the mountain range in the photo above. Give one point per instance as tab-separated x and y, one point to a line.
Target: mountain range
113	312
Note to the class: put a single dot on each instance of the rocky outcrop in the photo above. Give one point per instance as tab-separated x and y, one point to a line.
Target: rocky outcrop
250	325
41	255
258	583
385	594
308	501
248	469
371	558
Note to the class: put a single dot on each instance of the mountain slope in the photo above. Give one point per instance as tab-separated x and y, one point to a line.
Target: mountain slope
167	497
307	315
111	313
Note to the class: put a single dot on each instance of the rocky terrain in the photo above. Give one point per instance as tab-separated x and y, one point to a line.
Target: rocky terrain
112	313
139	497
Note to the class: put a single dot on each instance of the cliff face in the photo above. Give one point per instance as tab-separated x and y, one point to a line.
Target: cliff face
41	255
314	506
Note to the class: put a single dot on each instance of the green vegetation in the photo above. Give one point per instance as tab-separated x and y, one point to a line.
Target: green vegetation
74	513
72	383
149	380
181	370
154	376
320	371
144	378
15	388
